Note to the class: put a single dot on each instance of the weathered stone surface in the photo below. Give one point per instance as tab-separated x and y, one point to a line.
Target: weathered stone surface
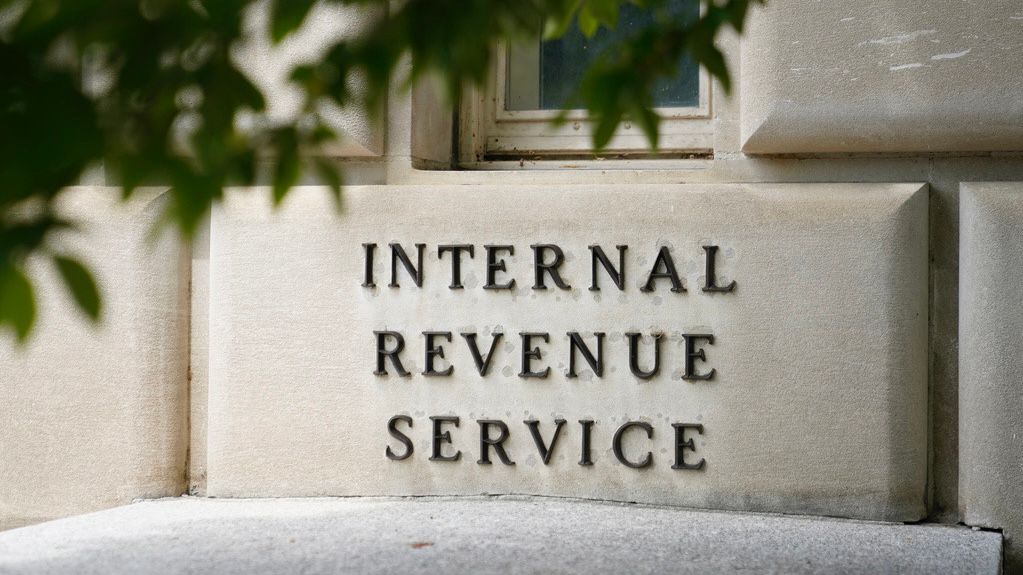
991	360
818	404
882	76
95	417
472	535
269	66
199	361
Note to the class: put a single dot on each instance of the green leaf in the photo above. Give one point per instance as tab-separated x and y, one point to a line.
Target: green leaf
80	283
605	129
648	121
17	305
588	23
285	173
737	11
714	61
288	15
557	23
304	75
330	175
605	11
158	56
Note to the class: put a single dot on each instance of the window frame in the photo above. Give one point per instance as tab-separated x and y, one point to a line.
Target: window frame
489	133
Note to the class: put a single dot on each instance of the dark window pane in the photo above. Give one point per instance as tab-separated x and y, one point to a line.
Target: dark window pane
564	61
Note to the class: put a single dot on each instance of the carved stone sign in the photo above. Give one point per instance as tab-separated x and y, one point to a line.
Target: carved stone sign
754	347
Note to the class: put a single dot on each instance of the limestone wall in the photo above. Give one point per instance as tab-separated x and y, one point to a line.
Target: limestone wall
893	91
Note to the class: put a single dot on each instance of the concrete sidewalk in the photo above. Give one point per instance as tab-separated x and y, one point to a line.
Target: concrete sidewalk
478	535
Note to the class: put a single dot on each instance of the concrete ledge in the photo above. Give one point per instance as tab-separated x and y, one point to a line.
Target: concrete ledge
490	534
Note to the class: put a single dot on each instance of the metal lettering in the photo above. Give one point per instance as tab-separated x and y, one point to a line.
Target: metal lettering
442	437
486	442
495	265
663	260
616	275
551	268
534	430
575	341
616	444
529	354
398	254
392	428
711	285
383	353
456	261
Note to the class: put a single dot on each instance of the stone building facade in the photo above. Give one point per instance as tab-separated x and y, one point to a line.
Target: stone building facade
862	184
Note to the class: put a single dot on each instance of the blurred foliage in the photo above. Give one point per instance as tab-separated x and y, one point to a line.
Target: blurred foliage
150	90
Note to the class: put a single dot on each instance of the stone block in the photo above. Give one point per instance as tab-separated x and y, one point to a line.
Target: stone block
268	66
95	416
817	403
883	76
991	360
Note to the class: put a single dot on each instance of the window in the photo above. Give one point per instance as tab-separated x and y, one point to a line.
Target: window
534	79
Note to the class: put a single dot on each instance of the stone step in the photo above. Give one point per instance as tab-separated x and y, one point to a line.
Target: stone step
509	534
